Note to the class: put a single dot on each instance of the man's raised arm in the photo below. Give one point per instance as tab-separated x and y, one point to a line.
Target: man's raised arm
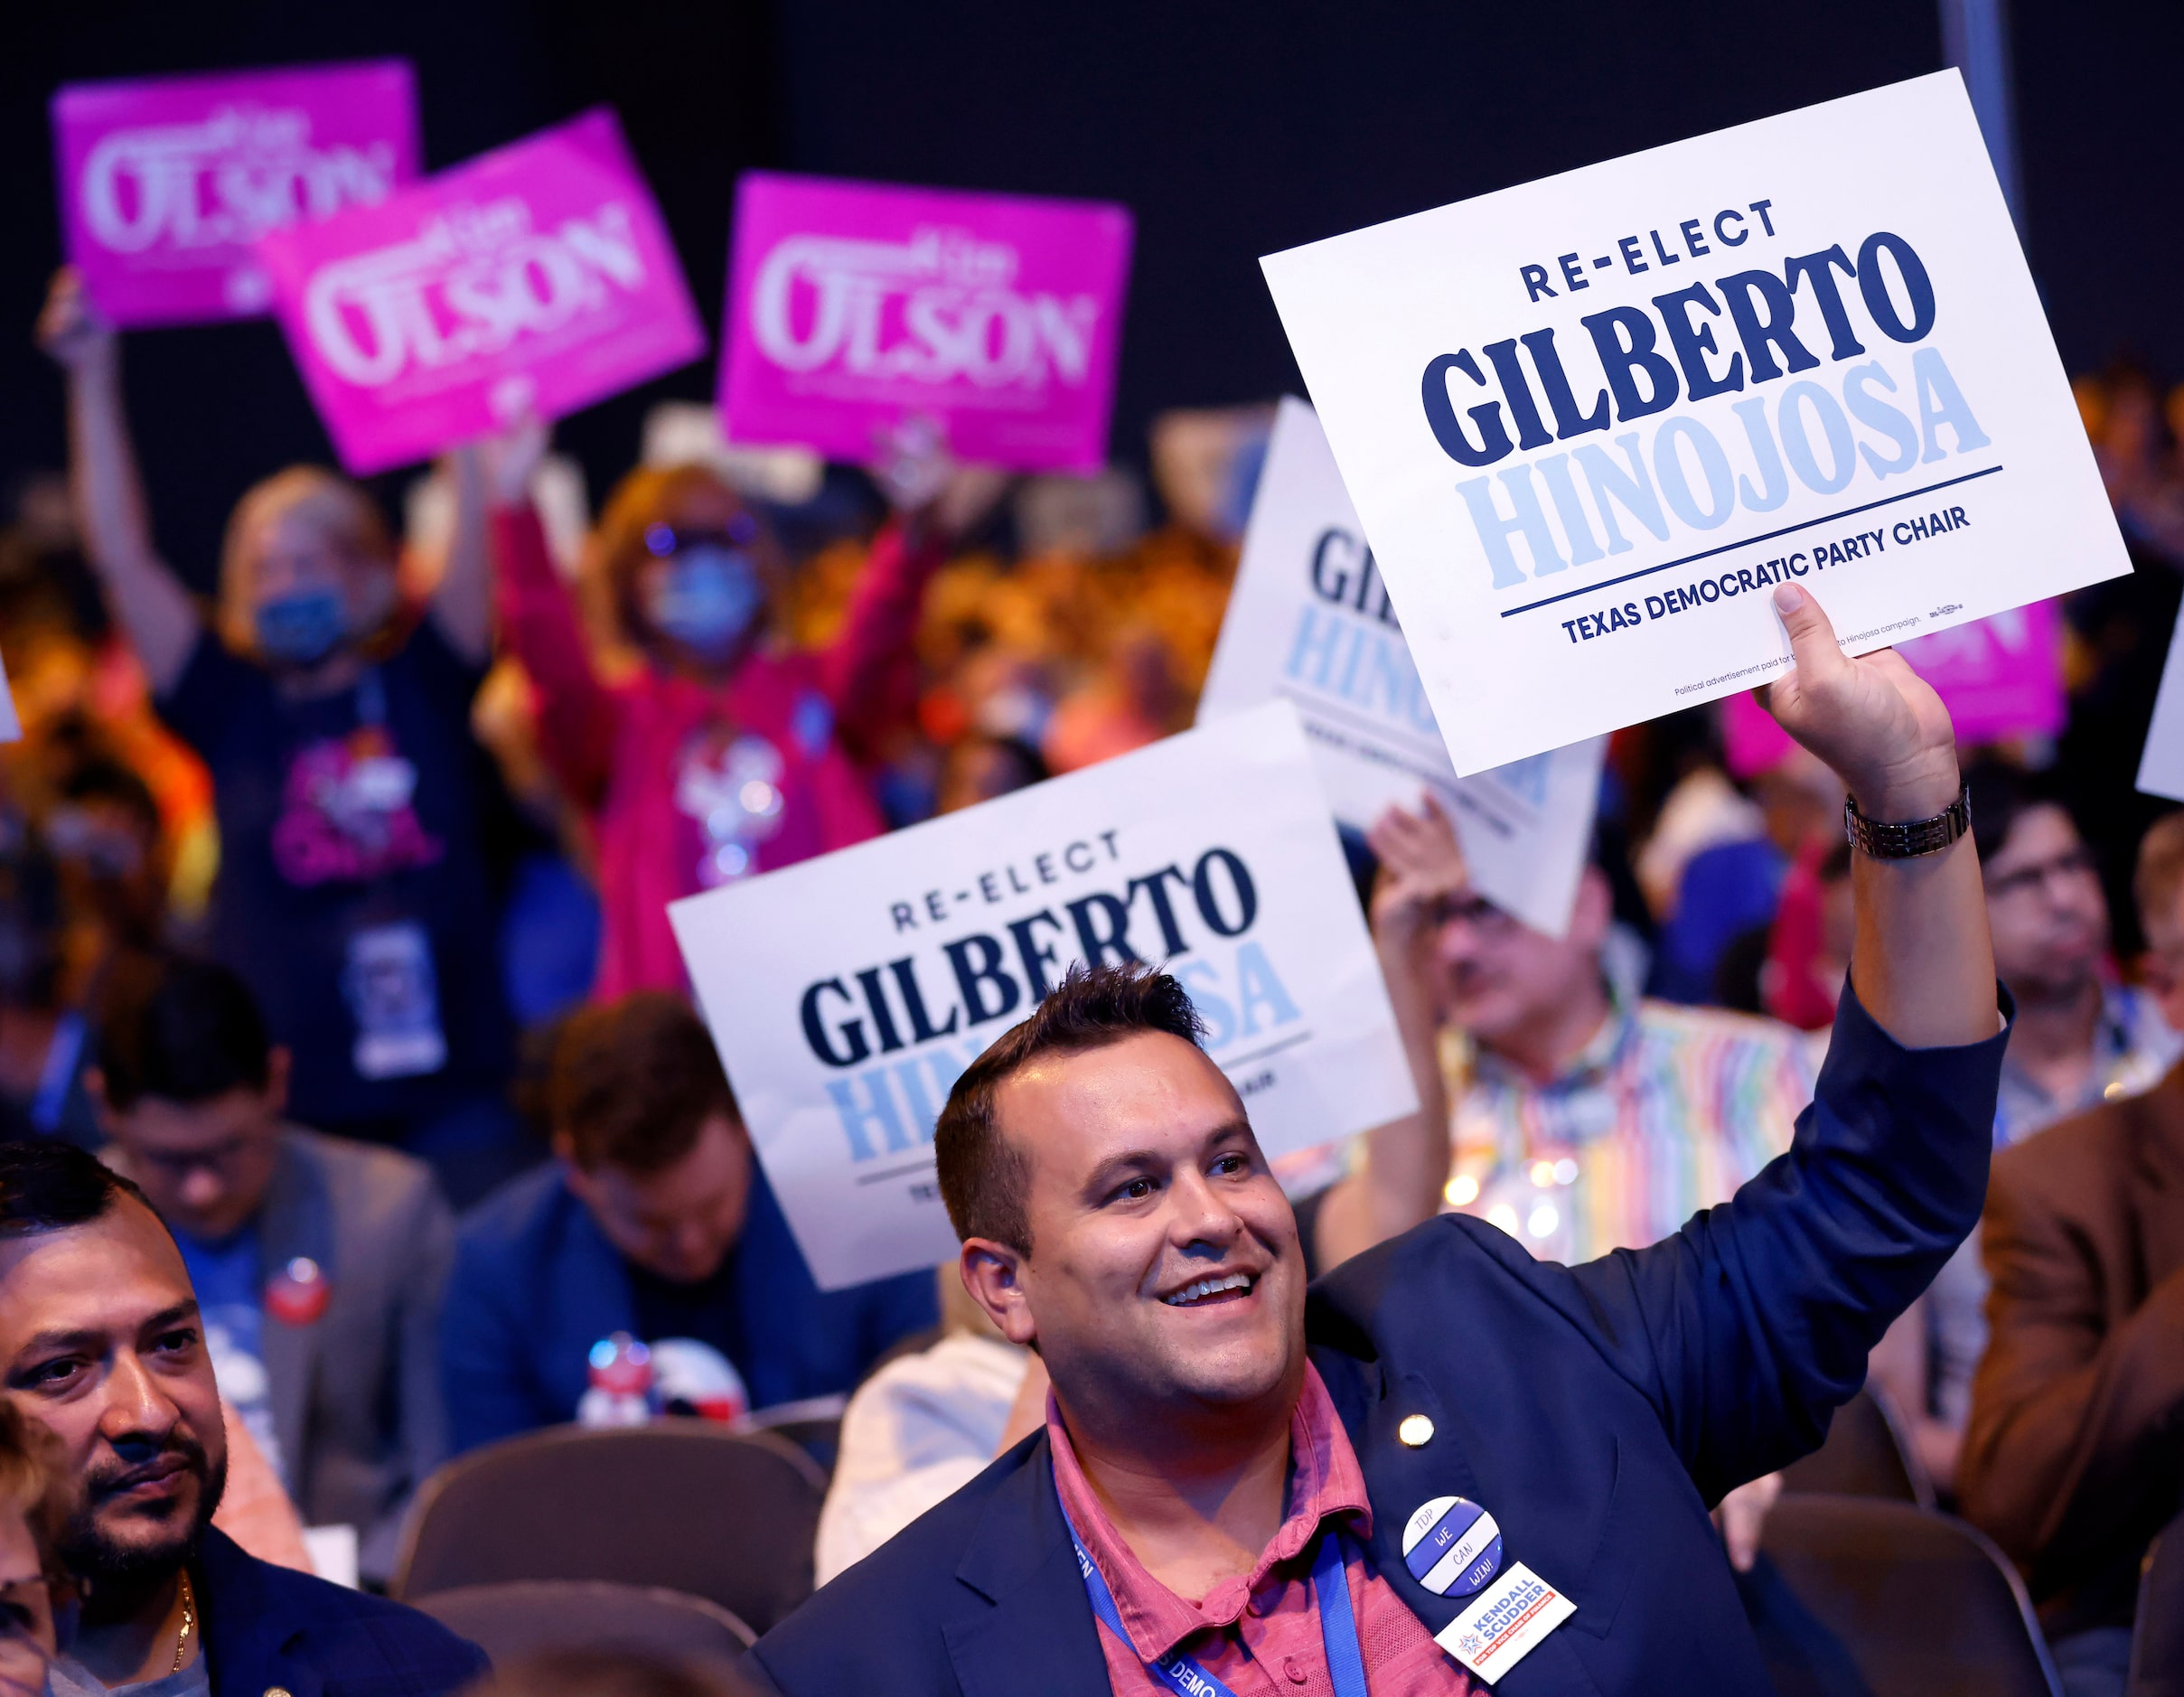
1749	1326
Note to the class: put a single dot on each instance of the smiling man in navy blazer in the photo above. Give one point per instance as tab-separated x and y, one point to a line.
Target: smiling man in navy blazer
1445	1464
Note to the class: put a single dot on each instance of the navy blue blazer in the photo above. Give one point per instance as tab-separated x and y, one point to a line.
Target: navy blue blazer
268	1627
536	1284
1595	1411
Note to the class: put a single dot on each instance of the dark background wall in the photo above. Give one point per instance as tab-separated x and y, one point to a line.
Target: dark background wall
1231	130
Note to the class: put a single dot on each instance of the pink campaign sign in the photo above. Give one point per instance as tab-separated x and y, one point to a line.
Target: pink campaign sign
535	279
1999	677
166	183
853	305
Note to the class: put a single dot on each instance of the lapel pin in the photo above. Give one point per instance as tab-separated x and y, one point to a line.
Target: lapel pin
1416	1431
297	1294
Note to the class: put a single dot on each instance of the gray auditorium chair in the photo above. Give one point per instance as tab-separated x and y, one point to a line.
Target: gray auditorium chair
814	1426
2157	1641
679	1503
1904	1603
522	1617
1865	1454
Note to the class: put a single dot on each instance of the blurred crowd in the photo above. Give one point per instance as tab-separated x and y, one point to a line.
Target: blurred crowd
331	915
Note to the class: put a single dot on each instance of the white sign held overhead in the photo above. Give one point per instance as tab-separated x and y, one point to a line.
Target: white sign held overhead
847	993
1590	422
2161	761
1309	620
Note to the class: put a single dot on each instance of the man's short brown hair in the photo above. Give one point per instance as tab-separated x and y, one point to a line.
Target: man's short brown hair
984	1178
2159	878
632	1082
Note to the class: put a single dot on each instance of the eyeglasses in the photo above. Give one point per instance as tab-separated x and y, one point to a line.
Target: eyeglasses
2072	863
1476	911
222	1160
661	540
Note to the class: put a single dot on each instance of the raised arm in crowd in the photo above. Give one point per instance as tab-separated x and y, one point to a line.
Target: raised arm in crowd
724	752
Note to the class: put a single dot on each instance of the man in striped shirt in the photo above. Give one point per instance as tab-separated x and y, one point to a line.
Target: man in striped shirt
1579	1122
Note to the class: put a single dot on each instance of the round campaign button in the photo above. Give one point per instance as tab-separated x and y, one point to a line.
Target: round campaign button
1452	1546
298	1293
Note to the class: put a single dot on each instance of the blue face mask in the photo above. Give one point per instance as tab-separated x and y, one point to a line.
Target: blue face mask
707	599
303	627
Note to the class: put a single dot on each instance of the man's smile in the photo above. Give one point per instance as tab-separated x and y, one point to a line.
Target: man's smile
1212	1288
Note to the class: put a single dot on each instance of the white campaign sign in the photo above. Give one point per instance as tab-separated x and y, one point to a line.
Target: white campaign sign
847	994
1309	619
2161	761
1589	422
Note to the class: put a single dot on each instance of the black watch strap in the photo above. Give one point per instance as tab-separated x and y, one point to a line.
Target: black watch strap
1908	842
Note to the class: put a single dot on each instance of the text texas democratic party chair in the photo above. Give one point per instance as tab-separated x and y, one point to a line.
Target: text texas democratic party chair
533	1617
680	1503
1878	1599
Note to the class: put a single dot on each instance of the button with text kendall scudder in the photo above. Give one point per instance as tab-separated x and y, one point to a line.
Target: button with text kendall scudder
1502	1626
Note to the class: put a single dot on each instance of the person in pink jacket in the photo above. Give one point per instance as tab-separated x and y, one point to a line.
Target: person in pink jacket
724	753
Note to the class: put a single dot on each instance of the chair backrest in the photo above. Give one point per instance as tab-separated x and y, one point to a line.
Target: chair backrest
681	1503
1923	1604
529	1617
1865	1454
2156	1639
813	1425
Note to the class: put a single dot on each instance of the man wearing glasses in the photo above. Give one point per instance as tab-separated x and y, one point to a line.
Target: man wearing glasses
1582	1120
319	1261
2080	1039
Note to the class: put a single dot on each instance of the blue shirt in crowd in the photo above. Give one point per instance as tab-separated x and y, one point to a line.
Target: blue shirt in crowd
537	1283
228	1280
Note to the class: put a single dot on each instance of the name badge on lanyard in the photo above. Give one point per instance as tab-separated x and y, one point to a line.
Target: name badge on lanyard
394	995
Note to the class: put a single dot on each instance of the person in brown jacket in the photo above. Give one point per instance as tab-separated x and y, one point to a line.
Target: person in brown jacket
2074	1459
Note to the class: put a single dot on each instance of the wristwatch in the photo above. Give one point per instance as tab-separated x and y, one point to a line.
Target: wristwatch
1908	842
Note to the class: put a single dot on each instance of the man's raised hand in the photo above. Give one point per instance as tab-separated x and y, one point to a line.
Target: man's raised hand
933	493
1873	719
1421	866
70	329
508	459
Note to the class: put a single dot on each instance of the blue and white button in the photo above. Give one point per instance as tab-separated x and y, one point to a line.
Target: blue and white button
1452	1546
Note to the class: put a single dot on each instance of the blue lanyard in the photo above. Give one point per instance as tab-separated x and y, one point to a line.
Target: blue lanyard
1182	1674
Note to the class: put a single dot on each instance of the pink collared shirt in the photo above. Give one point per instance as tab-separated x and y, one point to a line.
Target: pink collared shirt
1259	1634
